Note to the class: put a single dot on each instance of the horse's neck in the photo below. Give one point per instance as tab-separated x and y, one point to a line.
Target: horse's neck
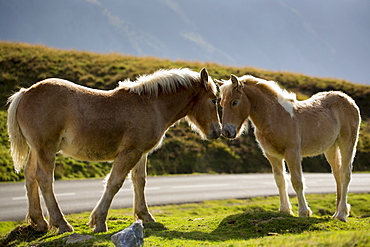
263	108
176	105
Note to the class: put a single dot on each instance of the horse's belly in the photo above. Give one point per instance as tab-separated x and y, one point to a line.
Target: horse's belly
87	152
317	146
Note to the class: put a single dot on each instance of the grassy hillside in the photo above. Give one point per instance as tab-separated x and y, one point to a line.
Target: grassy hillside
21	65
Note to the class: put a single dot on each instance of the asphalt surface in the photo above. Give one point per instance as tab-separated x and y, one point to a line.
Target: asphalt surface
82	195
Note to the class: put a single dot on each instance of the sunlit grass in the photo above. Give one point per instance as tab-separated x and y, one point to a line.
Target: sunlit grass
247	222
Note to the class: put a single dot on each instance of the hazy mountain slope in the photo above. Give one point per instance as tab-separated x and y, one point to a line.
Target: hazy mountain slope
321	38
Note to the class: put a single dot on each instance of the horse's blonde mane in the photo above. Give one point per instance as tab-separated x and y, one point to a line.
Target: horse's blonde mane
166	80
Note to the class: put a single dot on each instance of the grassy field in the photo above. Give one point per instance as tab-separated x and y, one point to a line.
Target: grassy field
247	222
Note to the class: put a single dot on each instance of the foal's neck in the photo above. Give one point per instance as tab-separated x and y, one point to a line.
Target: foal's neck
264	107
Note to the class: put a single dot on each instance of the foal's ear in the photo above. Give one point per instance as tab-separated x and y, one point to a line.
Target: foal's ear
235	81
204	75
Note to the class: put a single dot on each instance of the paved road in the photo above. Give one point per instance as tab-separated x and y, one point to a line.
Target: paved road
82	195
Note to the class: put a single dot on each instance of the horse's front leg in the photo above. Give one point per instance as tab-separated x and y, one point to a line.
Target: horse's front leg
124	162
294	164
45	179
35	216
278	169
138	176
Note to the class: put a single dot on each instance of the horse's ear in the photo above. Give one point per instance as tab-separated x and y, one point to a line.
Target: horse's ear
204	76
235	81
218	82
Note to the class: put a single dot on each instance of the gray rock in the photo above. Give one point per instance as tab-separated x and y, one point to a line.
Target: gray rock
132	236
74	238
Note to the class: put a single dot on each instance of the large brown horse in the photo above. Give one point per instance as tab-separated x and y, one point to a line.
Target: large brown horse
287	129
123	125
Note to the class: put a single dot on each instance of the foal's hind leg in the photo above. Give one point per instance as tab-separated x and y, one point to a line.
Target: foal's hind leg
122	165
278	169
138	176
294	164
45	178
35	215
334	159
347	156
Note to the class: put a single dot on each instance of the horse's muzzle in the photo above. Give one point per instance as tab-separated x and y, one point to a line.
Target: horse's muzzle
215	131
229	131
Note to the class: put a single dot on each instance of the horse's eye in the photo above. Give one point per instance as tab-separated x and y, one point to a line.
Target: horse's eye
235	102
214	101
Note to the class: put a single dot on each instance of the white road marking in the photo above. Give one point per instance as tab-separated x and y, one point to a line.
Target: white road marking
57	195
199	186
146	188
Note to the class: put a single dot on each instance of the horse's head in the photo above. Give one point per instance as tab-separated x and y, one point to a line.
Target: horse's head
235	107
203	115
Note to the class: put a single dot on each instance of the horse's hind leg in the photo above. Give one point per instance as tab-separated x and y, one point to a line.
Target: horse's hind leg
294	164
124	162
138	176
45	178
35	215
278	169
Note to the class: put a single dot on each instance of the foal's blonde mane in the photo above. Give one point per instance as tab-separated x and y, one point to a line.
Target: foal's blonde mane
167	80
284	97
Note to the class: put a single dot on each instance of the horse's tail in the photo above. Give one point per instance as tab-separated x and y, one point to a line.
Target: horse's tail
18	143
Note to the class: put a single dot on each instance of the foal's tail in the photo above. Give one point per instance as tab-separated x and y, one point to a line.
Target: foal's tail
18	143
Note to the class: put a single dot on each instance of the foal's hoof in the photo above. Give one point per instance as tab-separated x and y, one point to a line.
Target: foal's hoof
305	213
341	217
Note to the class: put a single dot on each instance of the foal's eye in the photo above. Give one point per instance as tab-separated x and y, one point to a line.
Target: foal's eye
235	102
214	101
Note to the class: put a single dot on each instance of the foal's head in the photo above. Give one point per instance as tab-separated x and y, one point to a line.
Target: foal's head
203	115
235	107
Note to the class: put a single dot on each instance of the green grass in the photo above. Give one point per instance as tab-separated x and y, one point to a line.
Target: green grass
247	222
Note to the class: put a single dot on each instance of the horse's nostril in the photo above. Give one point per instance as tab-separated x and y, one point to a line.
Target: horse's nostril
229	131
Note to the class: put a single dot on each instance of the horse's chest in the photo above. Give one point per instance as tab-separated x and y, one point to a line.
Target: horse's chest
270	143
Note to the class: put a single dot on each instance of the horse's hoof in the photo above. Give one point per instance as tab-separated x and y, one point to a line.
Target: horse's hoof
145	218
42	227
101	228
66	228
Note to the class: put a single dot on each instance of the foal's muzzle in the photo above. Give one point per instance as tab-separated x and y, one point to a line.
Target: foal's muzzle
229	131
215	131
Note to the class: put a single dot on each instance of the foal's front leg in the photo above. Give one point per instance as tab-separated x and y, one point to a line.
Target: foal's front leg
121	166
278	168
138	176
294	164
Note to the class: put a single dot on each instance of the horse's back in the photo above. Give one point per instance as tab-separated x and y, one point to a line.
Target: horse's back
85	123
47	107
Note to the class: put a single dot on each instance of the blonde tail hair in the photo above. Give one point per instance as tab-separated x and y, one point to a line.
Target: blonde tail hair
18	143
